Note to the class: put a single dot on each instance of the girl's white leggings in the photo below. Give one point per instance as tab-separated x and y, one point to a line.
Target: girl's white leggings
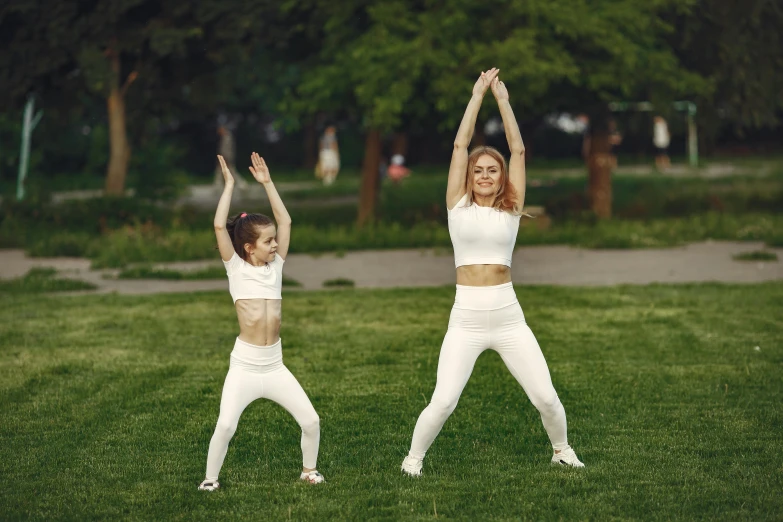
489	318
258	372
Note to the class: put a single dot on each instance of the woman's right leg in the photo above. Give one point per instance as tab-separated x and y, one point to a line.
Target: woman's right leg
462	345
240	389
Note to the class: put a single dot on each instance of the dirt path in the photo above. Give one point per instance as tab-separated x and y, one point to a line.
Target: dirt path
551	265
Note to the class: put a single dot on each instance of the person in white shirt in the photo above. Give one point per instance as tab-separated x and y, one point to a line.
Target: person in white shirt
661	140
328	156
484	199
253	251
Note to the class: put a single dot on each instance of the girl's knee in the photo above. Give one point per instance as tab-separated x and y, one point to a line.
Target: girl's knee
443	407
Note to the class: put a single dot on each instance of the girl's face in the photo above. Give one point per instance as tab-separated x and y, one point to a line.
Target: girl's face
487	176
265	247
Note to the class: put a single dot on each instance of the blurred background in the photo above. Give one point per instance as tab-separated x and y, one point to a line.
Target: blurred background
114	111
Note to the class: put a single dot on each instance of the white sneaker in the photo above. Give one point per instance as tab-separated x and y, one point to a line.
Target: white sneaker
209	485
412	466
312	477
567	457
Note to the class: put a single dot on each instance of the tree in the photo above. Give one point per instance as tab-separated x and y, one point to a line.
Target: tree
385	58
737	45
111	47
552	57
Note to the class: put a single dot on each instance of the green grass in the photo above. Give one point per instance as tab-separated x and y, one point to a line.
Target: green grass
109	402
757	255
38	280
212	272
649	211
149	272
143	244
339	282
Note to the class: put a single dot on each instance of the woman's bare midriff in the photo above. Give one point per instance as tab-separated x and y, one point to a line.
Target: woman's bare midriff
483	275
259	320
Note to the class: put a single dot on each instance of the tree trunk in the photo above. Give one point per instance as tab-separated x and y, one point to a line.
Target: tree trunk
309	145
599	165
368	195
479	138
120	149
400	144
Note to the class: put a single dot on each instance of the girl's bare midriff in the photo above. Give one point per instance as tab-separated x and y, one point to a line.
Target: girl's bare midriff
483	275
259	320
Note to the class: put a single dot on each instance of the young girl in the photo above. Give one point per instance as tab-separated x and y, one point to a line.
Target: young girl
484	201
254	253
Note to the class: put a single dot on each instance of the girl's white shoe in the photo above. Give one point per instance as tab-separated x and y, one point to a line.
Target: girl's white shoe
312	477
209	485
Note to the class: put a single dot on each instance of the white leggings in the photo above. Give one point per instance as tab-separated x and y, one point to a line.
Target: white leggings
489	318
258	372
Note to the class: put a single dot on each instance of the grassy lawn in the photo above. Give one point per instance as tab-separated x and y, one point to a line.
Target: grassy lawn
108	404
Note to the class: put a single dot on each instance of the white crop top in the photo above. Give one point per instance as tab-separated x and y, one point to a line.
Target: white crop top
482	235
246	281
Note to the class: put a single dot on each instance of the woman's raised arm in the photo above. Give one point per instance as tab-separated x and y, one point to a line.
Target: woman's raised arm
516	166
459	157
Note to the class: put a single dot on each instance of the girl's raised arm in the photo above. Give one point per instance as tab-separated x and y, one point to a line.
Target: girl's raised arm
225	246
261	172
459	157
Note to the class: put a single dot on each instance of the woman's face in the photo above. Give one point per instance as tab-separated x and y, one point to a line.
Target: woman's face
487	176
265	247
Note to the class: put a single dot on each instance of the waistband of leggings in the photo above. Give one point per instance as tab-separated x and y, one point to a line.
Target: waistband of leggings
262	359
485	297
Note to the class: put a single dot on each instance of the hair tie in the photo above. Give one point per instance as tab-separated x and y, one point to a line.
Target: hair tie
243	214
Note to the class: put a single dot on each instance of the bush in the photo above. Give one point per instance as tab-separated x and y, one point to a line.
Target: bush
66	244
42	280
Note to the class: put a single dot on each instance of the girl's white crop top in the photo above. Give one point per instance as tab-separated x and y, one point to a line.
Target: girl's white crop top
246	281
482	235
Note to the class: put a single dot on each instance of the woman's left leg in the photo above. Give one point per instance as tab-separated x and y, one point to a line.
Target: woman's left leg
517	346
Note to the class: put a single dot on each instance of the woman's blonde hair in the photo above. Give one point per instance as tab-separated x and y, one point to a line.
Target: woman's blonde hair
506	197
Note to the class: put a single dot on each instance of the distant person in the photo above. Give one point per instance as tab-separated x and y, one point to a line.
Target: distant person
661	140
484	199
253	250
397	170
615	139
328	157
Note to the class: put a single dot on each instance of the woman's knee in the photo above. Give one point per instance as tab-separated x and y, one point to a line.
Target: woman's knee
546	403
225	429
311	424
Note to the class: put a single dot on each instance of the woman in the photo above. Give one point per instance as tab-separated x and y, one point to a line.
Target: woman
484	202
254	252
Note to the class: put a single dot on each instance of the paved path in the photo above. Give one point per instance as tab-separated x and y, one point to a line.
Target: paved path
551	265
